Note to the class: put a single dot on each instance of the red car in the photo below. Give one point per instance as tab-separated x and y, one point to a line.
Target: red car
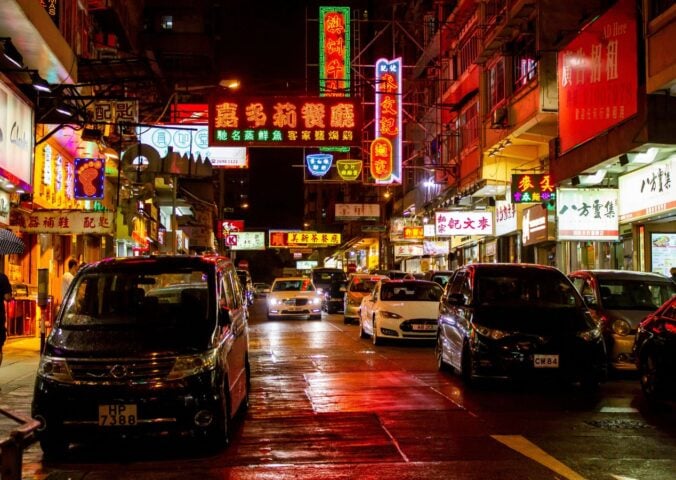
655	352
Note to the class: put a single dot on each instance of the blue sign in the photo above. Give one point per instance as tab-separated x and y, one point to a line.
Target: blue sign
319	163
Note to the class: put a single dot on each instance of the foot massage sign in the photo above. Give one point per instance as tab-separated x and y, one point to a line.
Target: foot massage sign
89	174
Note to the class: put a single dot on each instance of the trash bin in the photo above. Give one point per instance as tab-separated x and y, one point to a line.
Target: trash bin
21	311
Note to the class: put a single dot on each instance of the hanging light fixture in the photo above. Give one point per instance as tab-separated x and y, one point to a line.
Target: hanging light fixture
10	52
39	83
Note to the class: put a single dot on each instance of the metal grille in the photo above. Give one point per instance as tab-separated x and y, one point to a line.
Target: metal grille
298	302
120	370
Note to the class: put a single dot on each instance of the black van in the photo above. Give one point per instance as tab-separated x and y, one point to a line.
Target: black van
333	284
145	346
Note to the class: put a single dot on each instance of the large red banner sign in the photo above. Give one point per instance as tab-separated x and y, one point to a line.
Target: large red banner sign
284	121
598	78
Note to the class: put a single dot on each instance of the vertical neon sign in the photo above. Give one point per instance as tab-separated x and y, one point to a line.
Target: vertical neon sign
388	117
334	51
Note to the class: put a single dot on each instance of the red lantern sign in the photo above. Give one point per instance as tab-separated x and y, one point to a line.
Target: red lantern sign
381	158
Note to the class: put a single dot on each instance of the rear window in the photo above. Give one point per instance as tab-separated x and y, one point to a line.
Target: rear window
634	294
167	299
363	285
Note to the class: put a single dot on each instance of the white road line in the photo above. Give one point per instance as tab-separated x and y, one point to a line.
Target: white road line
618	410
394	440
532	451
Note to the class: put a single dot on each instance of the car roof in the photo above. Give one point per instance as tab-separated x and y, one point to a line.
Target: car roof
292	279
622	275
193	261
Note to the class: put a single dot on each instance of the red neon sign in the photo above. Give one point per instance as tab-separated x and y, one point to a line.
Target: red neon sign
381	158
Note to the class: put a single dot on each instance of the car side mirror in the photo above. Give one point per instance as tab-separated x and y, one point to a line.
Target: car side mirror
224	319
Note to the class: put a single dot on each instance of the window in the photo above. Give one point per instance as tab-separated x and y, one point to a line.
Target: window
496	84
468	52
167	22
469	125
524	60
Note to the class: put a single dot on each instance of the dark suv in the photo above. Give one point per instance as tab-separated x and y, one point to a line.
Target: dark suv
145	346
333	283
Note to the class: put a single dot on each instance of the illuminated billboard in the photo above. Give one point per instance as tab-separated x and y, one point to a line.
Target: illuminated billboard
284	121
386	148
334	51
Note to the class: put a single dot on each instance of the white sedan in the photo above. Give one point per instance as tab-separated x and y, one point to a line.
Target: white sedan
400	309
294	297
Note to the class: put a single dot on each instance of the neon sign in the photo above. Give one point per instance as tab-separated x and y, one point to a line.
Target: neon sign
334	51
284	121
388	121
532	188
89	178
349	169
319	163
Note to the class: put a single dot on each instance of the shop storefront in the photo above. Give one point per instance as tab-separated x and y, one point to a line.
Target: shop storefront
538	236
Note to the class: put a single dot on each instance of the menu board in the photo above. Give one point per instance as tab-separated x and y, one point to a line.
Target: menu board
663	252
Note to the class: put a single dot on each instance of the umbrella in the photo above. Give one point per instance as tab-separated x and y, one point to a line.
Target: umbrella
10	243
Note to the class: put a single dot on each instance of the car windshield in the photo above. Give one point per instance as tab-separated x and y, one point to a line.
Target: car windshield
129	298
634	294
327	278
363	285
525	287
411	291
303	285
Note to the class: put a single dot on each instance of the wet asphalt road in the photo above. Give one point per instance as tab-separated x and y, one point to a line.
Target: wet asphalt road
326	404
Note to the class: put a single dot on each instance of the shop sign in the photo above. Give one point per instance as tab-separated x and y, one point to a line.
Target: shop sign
334	51
284	121
278	238
318	164
114	111
648	191
536	225
505	218
458	222
587	214
16	139
64	222
429	230
408	250
597	75
89	176
349	169
192	139
357	211
306	264
248	241
4	207
397	225
413	232
313	238
663	252
229	226
387	146
439	247
532	188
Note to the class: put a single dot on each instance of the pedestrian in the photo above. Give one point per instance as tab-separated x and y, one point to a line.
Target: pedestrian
6	295
673	273
68	276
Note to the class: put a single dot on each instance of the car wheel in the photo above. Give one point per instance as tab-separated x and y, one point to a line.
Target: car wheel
374	336
53	445
649	376
219	435
346	320
467	365
442	366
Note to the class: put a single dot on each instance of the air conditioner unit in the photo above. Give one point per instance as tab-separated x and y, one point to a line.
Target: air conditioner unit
499	117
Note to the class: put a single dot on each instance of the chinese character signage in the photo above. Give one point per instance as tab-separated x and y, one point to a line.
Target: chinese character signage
408	250
357	211
505	218
312	238
64	222
386	164
532	188
648	191
318	164
247	241
349	169
284	121
598	76
115	111
89	175
192	139
229	226
459	222
278	238
334	51
587	214
413	233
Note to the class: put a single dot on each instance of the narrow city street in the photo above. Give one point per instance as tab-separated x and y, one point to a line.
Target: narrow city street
327	404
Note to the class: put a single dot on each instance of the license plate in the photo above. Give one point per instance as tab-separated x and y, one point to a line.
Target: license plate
424	326
545	361
118	415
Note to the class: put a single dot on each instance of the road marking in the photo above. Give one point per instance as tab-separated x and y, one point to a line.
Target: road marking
619	410
394	440
532	451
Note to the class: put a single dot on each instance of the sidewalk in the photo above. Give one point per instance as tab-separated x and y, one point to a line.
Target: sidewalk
17	376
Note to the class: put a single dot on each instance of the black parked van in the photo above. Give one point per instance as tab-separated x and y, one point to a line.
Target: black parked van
145	346
332	282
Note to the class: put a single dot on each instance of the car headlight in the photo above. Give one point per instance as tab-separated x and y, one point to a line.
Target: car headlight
590	335
386	314
315	301
491	333
273	301
621	327
187	365
55	369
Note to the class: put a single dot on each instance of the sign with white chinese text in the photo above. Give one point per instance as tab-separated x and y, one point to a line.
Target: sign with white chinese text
460	222
16	139
408	250
334	51
192	140
438	247
648	191
357	211
587	214
505	218
597	74
532	188
318	164
284	121
386	165
306	264
64	222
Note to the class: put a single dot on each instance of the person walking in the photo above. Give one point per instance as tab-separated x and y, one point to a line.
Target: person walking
68	276
6	295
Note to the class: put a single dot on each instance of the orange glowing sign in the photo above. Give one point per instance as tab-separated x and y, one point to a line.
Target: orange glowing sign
284	121
334	51
381	158
388	119
413	232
